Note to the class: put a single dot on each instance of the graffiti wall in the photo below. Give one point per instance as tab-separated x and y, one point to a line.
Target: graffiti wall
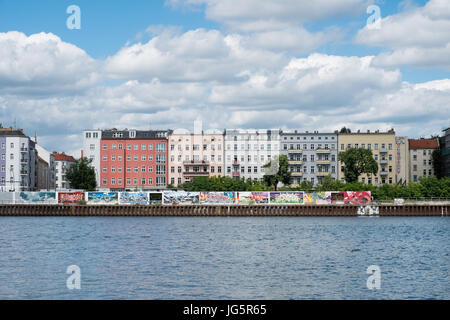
70	197
294	197
35	197
133	198
181	197
357	197
217	197
155	197
253	197
6	197
103	198
317	197
337	197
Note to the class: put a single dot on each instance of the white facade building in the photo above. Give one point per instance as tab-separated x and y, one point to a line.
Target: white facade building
247	151
62	162
91	150
17	161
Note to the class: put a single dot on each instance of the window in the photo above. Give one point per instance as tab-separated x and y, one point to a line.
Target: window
104	181
150	147
160	181
143	169
128	146
342	146
136	147
150	169
160	169
143	158
160	158
113	158
390	146
105	158
143	147
104	169
376	146
114	146
160	147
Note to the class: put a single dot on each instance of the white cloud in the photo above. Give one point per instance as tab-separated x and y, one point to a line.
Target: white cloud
42	62
418	37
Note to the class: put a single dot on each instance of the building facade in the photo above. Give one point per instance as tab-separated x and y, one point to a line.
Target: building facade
402	165
18	159
383	147
312	156
420	157
45	180
91	150
129	159
194	155
247	151
446	153
62	163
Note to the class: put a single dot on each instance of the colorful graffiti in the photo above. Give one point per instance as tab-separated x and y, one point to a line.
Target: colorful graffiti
36	197
295	197
357	197
70	197
155	197
253	197
323	197
337	197
218	197
103	198
181	197
133	198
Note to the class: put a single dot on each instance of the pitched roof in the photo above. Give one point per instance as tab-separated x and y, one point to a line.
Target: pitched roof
423	144
63	157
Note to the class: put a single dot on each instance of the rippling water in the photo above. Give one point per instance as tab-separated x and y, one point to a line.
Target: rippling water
224	258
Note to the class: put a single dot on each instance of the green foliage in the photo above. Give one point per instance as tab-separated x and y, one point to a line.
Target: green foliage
81	175
345	130
283	175
357	162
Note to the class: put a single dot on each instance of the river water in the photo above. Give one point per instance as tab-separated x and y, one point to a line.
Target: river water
225	257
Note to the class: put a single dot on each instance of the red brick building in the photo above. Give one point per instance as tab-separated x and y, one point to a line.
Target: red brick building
133	159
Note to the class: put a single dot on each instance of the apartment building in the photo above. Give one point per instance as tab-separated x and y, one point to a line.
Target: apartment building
247	151
195	155
383	147
402	165
446	153
91	150
46	169
62	163
128	159
420	158
312	155
17	161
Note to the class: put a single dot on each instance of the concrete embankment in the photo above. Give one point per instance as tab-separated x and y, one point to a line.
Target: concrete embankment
223	210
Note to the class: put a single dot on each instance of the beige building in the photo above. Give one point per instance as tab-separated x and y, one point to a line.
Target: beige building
420	158
194	155
383	146
402	164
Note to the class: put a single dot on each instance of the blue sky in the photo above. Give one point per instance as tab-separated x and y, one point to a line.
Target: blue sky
230	63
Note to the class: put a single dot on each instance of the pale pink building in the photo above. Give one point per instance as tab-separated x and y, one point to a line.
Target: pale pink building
194	155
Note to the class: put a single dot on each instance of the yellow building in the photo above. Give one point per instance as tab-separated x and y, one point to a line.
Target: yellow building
383	146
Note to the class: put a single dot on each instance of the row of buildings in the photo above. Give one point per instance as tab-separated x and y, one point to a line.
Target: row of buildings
25	165
154	159
130	159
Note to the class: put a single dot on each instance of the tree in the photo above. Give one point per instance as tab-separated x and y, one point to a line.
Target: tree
81	175
345	130
282	175
357	162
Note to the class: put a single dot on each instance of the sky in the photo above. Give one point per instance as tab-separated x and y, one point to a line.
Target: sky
289	64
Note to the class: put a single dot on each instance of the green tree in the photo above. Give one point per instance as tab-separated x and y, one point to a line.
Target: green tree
282	175
345	130
81	175
357	162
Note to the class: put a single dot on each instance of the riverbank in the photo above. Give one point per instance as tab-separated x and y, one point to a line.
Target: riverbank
225	210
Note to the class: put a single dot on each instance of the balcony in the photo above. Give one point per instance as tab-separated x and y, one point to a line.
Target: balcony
23	149
196	174
236	174
23	160
196	163
322	150
383	150
296	173
383	173
322	173
24	172
235	163
295	151
323	161
383	161
295	162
